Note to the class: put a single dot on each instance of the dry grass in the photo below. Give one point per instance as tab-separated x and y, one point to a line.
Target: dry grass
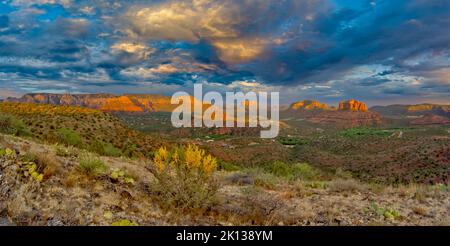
46	163
92	164
349	185
419	210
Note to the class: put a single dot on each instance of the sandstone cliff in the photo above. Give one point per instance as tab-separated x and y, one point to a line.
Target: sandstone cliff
309	105
353	105
104	102
351	113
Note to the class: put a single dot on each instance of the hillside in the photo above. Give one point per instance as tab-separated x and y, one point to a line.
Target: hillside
123	192
80	126
431	119
412	110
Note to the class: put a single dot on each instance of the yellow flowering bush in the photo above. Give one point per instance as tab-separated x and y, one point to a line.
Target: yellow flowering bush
184	177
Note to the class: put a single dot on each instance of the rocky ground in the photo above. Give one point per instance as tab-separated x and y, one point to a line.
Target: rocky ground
70	197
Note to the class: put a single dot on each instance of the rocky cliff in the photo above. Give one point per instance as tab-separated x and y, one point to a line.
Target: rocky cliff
351	113
309	105
353	105
104	102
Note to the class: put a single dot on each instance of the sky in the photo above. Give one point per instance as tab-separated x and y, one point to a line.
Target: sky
378	51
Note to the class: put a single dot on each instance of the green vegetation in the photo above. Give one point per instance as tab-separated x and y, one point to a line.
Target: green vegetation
302	171
68	151
227	166
129	150
293	141
7	152
360	132
105	149
91	164
11	125
387	213
68	137
122	176
81	127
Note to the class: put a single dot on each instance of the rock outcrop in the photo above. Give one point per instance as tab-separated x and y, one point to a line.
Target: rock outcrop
351	113
309	105
104	102
353	105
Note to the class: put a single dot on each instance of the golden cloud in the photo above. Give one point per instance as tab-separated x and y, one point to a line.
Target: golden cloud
186	20
240	50
140	50
215	21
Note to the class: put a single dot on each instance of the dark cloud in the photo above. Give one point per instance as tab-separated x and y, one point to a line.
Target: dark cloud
291	44
4	21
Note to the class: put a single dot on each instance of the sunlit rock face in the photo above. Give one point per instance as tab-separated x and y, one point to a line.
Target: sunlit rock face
351	113
104	102
309	105
353	105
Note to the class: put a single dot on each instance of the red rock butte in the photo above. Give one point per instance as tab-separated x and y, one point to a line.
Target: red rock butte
353	105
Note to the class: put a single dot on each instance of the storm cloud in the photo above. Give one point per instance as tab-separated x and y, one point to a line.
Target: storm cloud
375	50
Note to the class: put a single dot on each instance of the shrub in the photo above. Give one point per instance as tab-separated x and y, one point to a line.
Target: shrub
122	176
292	172
12	125
387	213
106	149
305	171
91	164
293	141
279	168
68	137
129	150
69	151
227	166
184	177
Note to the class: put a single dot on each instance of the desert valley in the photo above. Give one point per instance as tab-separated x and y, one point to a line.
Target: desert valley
103	159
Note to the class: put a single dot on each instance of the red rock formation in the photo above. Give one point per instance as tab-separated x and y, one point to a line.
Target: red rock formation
353	105
349	113
346	119
309	105
105	102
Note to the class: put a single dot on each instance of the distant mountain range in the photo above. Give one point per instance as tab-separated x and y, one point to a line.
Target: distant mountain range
351	112
412	110
104	102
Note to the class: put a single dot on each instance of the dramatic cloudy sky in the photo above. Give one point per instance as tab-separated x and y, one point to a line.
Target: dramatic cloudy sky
379	51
